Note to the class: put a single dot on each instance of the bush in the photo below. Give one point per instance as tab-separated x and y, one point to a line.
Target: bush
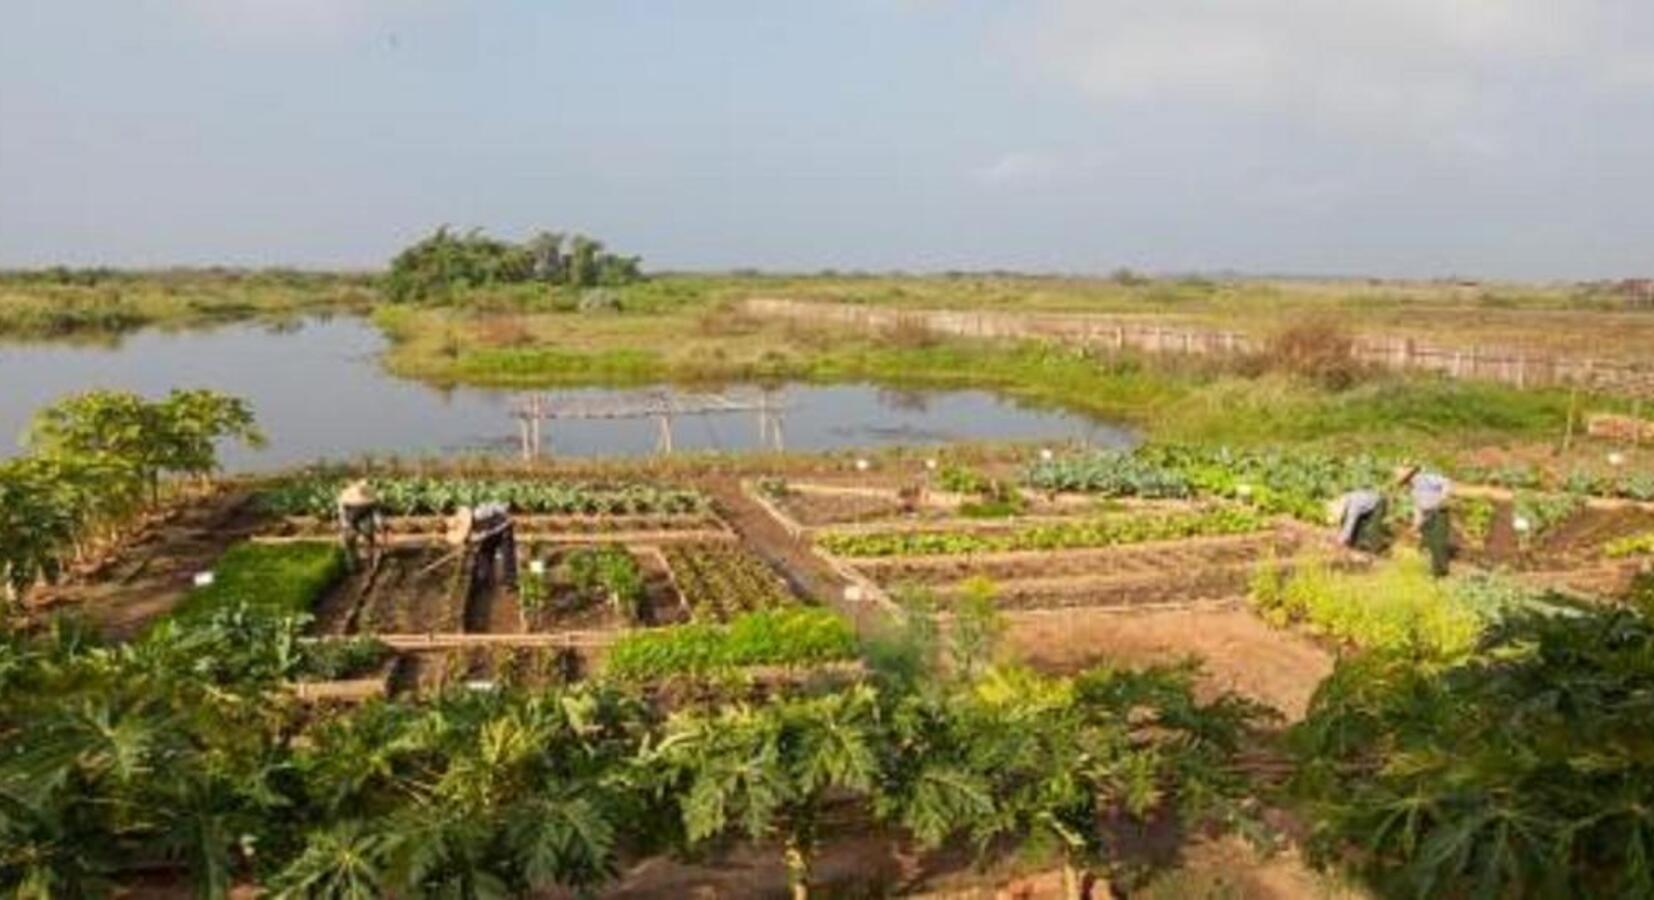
1520	771
1398	606
1320	351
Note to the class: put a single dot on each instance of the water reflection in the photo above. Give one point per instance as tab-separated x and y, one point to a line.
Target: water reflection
319	393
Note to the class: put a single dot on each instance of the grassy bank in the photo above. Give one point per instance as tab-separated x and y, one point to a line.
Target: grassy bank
88	305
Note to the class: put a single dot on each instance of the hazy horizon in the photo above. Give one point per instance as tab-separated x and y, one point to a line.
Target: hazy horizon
1410	139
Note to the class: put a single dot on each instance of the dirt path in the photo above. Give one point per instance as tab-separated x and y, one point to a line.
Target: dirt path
1239	652
154	571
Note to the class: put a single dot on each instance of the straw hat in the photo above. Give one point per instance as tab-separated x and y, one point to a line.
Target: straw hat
358	493
460	525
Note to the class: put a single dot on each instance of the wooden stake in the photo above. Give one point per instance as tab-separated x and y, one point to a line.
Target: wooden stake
1568	432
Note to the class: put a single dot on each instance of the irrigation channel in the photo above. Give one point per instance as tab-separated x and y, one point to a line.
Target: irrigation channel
320	393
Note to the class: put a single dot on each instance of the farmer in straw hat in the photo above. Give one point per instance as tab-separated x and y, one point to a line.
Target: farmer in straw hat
489	533
360	519
1430	493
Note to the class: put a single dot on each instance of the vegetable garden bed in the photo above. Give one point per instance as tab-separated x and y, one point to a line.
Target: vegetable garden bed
413	592
1104	531
717	581
1155	574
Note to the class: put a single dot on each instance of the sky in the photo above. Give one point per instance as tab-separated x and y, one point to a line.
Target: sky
1408	138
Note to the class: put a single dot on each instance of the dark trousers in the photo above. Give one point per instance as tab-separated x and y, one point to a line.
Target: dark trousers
1436	535
499	547
1372	531
357	524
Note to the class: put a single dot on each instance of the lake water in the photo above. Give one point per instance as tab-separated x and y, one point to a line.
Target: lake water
319	393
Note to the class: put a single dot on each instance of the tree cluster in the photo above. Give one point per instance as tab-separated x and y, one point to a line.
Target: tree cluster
444	265
97	459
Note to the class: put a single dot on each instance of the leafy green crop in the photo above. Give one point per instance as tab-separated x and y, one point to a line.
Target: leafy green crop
281	579
777	637
1110	474
315	496
1398	606
718	579
1101	532
1298	483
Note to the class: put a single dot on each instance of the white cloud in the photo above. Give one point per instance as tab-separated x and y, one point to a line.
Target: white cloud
1444	69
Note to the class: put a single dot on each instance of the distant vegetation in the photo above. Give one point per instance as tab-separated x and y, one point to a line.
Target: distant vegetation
441	266
99	302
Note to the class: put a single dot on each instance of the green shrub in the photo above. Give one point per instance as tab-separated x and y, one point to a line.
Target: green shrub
1521	770
1396	606
332	659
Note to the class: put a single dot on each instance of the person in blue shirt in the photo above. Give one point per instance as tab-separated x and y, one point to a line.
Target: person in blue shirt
487	529
1430	493
1359	516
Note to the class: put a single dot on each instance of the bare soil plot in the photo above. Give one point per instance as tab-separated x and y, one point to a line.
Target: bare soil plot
565	608
1238	650
151	572
418	591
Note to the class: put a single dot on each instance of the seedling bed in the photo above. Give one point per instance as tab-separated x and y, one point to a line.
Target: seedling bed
1223	582
1158	574
1156	557
716	581
1584	537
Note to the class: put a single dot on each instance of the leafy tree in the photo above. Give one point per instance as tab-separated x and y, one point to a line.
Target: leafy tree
767	771
547	250
178	434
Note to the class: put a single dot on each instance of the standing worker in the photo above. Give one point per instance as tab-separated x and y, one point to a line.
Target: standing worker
360	519
1430	493
1359	516
487	529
